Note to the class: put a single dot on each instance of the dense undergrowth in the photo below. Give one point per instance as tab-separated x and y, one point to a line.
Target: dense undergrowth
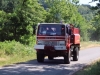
14	48
13	52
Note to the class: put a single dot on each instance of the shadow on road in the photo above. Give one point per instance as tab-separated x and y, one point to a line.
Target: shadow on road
32	67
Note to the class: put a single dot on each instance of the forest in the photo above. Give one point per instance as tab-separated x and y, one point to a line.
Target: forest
18	17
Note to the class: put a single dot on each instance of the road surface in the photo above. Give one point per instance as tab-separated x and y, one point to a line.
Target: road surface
54	67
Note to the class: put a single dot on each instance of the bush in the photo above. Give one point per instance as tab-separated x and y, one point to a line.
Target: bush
15	48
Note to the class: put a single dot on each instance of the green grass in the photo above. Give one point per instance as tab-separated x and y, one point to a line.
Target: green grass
15	59
14	52
88	44
93	69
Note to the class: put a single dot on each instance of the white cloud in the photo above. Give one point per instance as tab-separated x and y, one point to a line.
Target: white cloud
88	2
84	1
94	3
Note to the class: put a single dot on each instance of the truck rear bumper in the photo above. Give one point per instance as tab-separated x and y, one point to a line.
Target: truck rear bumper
42	47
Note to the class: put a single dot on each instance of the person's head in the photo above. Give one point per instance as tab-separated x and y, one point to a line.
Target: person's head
47	28
53	28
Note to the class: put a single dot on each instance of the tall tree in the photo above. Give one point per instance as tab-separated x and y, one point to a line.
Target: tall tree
19	23
64	10
96	22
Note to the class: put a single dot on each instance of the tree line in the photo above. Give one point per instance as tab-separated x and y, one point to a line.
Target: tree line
18	17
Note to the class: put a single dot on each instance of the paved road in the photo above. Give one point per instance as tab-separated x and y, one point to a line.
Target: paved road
55	67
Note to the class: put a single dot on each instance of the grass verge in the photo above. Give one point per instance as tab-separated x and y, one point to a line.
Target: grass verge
14	52
89	44
15	59
93	69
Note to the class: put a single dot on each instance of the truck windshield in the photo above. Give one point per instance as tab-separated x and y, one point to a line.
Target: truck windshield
51	29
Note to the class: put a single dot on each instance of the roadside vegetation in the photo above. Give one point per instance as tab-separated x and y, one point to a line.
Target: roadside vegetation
93	69
89	44
19	17
14	52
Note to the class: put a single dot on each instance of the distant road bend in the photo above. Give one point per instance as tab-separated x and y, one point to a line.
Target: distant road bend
54	67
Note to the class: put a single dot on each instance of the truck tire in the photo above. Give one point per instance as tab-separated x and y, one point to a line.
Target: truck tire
67	58
76	54
40	57
50	57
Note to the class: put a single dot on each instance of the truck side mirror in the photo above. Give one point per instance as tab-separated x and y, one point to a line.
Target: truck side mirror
69	31
34	29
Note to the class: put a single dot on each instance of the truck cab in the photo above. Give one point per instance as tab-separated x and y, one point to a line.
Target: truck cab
57	40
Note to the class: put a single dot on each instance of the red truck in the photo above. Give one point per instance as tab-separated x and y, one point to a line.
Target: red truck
57	39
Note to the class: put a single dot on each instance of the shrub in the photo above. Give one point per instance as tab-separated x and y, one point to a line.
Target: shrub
15	48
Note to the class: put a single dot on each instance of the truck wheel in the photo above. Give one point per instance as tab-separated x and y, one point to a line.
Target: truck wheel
76	54
40	57
50	57
67	58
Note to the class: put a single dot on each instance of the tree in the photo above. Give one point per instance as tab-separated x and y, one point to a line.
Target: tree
19	23
59	10
96	22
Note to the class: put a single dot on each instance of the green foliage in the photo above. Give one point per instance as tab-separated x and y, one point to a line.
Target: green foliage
96	24
17	22
86	12
17	18
62	10
14	48
75	1
95	35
